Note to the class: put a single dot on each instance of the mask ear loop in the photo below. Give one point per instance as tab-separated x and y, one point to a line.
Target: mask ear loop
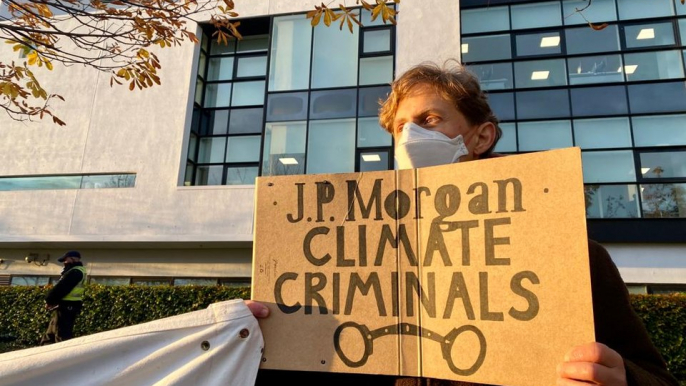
461	150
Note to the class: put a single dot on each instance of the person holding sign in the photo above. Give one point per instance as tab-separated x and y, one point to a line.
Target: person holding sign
440	116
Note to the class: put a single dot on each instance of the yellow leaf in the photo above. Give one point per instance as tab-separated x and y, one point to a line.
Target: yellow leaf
143	53
48	64
327	17
32	57
315	18
132	85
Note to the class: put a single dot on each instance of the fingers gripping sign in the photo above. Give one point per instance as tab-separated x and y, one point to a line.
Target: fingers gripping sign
592	363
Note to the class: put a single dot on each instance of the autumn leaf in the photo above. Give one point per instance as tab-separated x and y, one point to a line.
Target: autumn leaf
602	26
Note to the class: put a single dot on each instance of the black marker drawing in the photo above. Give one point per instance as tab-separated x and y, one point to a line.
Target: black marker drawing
446	342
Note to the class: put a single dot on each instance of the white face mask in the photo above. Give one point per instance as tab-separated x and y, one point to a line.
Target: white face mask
418	147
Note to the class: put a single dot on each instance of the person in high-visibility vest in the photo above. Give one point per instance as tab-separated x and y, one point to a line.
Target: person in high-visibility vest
66	297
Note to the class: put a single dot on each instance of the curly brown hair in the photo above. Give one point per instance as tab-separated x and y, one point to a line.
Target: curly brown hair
454	83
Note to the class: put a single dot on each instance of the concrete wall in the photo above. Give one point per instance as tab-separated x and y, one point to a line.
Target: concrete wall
137	262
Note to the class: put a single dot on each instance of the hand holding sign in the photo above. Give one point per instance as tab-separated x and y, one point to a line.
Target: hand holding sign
594	363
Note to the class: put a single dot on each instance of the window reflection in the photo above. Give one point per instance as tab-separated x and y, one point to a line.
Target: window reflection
376	70
284	148
376	40
508	142
248	93
328	67
496	76
370	134
640	9
333	104
287	107
220	69
540	73
659	130
611	201
648	35
373	161
245	121
538	44
598	12
542	104
251	66
595	69
243	149
217	95
668	164
653	65
608	166
663	200
211	150
369	100
544	14
604	100
209	175
241	175
289	66
502	105
485	19
482	48
544	135
657	97
584	40
331	146
602	133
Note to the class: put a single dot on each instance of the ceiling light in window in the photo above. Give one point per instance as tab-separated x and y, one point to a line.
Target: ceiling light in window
288	161
646	33
630	68
550	41
540	75
465	48
371	158
645	170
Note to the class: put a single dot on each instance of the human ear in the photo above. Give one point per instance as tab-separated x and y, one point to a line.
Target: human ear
485	136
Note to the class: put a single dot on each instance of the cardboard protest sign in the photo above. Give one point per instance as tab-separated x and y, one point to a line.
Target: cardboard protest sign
474	271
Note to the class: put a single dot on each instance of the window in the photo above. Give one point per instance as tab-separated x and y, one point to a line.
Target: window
89	181
546	43
649	35
508	142
659	130
495	76
484	48
639	9
29	280
663	200
194	281
282	101
109	280
584	40
602	10
485	19
289	67
602	133
595	69
663	164
608	166
502	105
536	15
226	131
540	73
653	65
544	135
611	201
543	104
657	97
595	101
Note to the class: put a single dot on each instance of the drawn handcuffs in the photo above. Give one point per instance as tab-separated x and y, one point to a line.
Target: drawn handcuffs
446	342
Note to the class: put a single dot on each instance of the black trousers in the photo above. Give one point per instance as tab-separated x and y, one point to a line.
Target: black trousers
66	316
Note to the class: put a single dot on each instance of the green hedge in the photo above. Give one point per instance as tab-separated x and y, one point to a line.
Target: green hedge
23	318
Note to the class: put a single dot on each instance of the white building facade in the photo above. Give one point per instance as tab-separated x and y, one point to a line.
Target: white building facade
157	186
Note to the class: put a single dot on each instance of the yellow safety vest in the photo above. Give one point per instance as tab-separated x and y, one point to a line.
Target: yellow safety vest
76	294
